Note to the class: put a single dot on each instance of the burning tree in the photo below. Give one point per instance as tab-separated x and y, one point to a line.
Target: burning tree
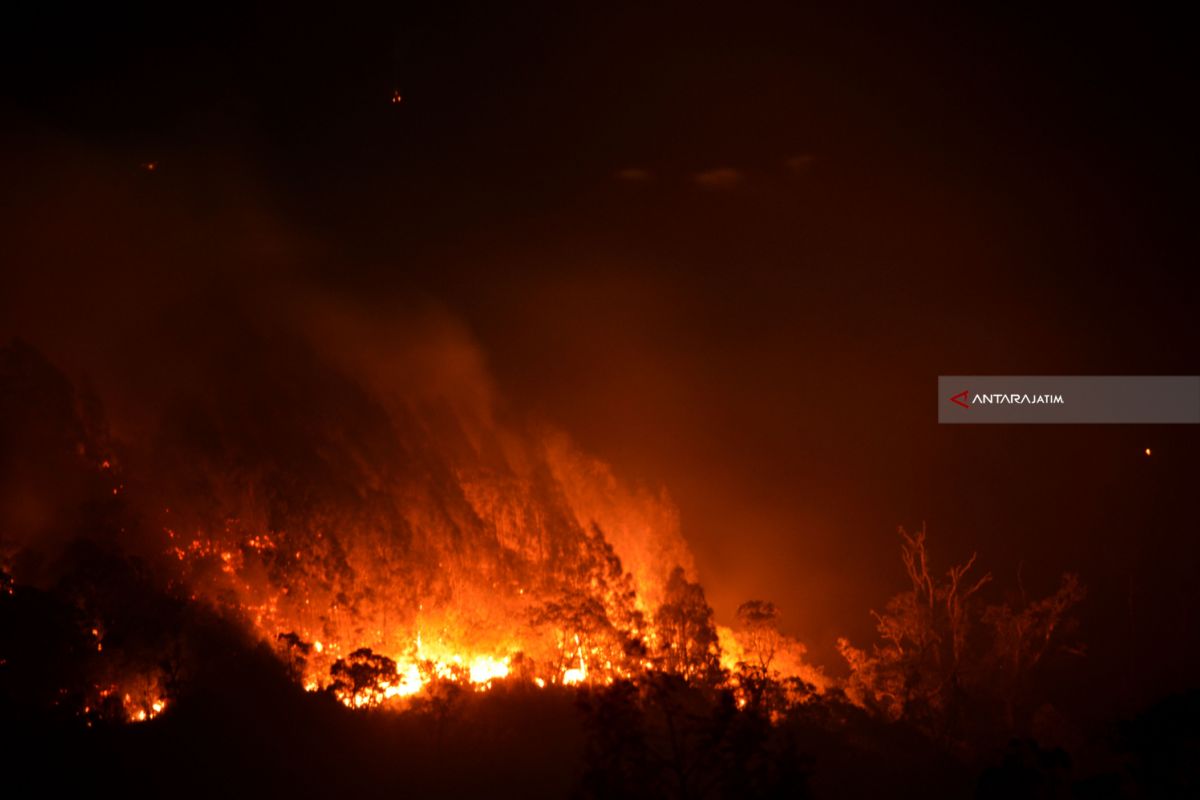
768	673
760	634
687	639
595	618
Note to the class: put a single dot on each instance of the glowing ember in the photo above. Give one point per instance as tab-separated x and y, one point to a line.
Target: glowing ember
138	701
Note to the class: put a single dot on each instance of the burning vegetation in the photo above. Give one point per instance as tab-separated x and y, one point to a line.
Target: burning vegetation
392	551
381	550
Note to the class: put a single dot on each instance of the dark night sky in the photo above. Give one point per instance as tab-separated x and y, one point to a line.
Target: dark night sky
1009	192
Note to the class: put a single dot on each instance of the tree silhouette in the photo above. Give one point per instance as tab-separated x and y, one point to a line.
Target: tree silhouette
1024	635
363	674
941	650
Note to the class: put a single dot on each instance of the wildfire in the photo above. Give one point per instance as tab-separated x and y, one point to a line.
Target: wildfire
453	552
575	624
536	592
552	578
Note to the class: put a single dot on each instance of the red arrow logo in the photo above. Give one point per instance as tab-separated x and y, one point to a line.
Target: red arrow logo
961	399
